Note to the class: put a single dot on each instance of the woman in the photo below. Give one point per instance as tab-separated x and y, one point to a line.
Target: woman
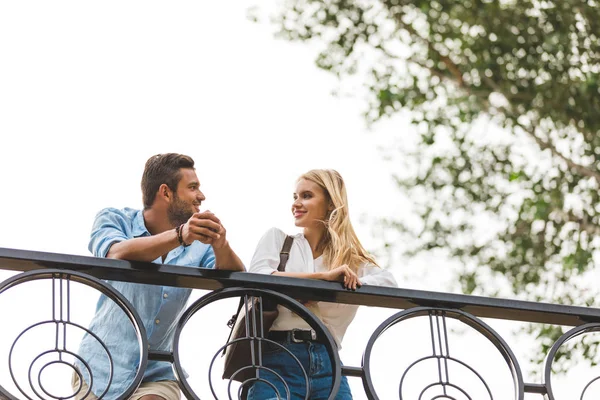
327	249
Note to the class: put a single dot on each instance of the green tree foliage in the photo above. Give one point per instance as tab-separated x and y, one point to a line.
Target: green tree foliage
505	98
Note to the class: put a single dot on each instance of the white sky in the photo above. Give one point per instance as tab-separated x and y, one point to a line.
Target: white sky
90	90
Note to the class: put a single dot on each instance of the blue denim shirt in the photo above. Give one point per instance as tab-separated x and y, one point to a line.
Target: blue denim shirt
159	308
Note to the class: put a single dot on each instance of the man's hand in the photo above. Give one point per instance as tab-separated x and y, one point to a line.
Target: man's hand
206	228
344	274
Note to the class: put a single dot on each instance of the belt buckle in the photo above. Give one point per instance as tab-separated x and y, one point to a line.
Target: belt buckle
293	336
313	335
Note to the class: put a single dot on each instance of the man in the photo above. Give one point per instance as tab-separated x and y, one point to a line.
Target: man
171	230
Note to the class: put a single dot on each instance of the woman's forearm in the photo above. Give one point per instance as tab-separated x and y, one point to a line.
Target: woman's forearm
305	275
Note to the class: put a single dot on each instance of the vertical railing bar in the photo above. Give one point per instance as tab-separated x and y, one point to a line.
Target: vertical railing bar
443	379
262	335
68	299
53	297
447	346
431	320
60	302
67	312
247	323
432	334
251	327
54	312
61	319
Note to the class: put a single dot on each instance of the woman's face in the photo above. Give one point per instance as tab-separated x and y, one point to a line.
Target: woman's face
310	204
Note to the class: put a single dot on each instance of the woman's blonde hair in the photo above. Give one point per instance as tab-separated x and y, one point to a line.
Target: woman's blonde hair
340	244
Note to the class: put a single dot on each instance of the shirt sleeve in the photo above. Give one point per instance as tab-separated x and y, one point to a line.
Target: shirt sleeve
266	256
208	259
110	226
371	274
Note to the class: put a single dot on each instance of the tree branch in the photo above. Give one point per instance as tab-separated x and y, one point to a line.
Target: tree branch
584	224
452	67
433	71
582	169
457	78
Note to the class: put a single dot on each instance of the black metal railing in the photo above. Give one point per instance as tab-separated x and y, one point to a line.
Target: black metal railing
439	371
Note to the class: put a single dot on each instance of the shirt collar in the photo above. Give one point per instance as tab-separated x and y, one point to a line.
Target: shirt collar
138	227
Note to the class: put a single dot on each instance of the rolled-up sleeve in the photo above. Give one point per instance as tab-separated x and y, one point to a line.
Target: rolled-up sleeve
266	256
110	226
208	259
376	276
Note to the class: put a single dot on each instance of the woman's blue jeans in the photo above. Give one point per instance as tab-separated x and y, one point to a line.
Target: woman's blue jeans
314	359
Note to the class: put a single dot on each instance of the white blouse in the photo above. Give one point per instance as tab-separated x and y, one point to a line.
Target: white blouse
335	316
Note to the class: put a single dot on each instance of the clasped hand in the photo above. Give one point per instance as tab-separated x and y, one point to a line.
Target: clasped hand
206	228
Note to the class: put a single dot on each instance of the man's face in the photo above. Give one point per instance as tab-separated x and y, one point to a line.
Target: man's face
186	199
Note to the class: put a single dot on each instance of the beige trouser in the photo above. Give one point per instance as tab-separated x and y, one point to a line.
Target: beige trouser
168	390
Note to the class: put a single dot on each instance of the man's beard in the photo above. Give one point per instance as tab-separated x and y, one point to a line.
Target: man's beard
179	211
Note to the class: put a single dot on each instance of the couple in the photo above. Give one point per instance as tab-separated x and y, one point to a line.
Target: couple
171	229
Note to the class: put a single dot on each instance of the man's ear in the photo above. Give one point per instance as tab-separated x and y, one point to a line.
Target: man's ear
165	192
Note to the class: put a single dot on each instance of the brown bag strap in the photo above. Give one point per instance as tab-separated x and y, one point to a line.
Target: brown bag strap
284	255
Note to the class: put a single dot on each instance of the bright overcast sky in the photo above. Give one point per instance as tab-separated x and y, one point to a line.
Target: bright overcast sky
89	91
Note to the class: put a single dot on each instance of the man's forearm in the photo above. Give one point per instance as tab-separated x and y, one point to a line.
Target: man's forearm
147	248
227	259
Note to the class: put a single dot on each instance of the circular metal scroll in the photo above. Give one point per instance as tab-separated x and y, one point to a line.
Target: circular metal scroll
257	338
573	333
53	357
443	359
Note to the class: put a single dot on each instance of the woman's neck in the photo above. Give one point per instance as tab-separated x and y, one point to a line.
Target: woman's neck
314	236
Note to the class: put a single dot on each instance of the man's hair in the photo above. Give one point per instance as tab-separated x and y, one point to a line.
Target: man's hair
162	168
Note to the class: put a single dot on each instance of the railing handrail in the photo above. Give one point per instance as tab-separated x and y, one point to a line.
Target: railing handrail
198	278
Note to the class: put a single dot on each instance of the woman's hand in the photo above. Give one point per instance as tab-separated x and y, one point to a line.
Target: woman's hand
344	274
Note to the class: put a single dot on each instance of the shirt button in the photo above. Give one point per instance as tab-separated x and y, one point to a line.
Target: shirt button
157	321
165	295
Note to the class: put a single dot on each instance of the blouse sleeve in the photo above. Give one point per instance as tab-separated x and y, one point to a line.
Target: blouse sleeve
266	255
371	274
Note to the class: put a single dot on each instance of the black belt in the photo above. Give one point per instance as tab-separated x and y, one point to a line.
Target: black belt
295	336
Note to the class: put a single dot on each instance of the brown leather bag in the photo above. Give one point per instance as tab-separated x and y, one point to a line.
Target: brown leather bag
239	355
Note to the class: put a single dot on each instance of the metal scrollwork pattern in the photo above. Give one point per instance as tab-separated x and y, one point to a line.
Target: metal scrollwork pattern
583	390
60	323
258	341
442	382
